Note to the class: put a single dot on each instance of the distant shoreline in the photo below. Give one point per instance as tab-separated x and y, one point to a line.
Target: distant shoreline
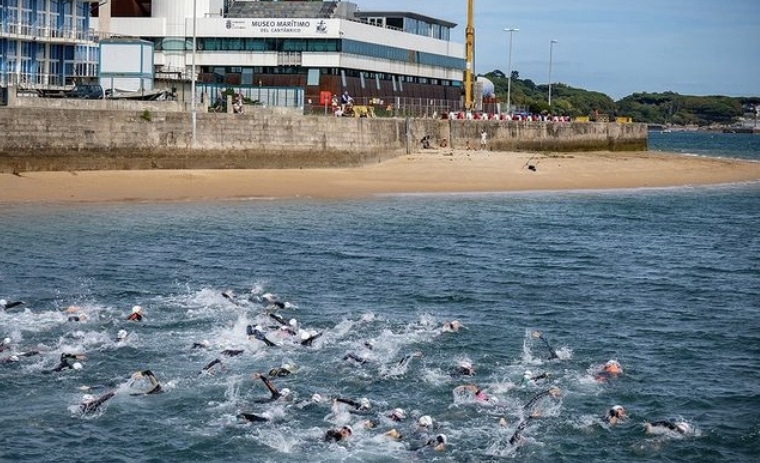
428	171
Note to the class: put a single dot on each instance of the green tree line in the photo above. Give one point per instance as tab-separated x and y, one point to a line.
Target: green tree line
652	108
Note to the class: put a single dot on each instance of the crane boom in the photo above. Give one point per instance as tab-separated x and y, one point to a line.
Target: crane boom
470	53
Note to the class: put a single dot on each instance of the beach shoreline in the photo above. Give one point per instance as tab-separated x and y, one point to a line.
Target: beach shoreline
427	171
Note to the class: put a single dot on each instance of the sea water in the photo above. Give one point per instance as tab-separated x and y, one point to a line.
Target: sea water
666	281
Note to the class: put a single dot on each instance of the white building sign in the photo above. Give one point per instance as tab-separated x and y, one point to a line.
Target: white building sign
267	27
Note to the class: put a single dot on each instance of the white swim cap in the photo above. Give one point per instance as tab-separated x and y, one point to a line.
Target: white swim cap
316	398
257	328
3	302
7	341
285	392
305	335
399	413
425	421
617	407
289	366
349	428
293	322
527	373
441	438
14	358
77	366
364	403
683	427
88	398
122	334
136	309
466	365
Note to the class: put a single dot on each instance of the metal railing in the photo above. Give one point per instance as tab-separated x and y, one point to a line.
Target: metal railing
391	106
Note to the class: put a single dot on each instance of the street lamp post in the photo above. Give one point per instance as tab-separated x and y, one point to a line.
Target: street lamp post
551	49
509	70
194	114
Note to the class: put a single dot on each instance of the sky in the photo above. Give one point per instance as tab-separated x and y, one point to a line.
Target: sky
691	47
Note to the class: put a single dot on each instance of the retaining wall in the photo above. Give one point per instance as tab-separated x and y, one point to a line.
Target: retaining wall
76	139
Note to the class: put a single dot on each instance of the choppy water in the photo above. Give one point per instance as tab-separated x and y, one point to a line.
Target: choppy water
666	281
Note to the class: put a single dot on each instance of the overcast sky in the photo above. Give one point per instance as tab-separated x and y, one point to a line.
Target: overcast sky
692	47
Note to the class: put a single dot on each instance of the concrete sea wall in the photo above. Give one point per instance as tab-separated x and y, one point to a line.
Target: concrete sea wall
35	139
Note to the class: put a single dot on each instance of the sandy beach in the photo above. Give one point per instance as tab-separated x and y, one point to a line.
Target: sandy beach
429	171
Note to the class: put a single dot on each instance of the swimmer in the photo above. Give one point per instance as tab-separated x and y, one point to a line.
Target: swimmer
529	378
75	313
289	327
404	362
307	338
275	394
552	352
17	357
337	435
361	405
355	358
397	414
476	392
68	362
610	370
228	295
91	403
254	417
614	415
121	336
424	423
136	315
155	386
5	305
394	434
209	368
517	437
5	344
232	352
256	332
201	345
659	427
551	392
464	368
451	327
285	370
439	443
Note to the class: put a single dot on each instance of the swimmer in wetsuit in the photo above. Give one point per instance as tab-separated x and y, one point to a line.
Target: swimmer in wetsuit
209	368
517	437
611	370
404	362
91	404
275	394
340	434
528	377
68	362
256	332
147	374
6	344
307	339
285	370
552	391
658	427
463	369
136	315
362	405
5	305
552	352
614	415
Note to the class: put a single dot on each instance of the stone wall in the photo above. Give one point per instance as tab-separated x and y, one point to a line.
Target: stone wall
75	139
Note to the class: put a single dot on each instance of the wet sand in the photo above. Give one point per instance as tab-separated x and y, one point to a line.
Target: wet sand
429	171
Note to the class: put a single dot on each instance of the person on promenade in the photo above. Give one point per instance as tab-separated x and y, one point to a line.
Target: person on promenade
483	140
346	101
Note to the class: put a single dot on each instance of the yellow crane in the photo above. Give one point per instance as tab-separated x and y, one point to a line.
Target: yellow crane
469	56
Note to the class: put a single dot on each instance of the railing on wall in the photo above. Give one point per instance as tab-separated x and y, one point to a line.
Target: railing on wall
284	97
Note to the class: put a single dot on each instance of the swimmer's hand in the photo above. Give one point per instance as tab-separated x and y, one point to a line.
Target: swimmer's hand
256	375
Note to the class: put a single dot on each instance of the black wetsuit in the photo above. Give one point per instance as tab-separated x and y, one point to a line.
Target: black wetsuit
308	341
350	402
251	331
532	402
666	424
12	304
232	352
517	436
281	371
153	381
272	390
333	435
252	417
93	405
462	371
64	364
552	353
355	358
210	365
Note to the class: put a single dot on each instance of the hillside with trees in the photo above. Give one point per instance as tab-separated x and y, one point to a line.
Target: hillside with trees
666	108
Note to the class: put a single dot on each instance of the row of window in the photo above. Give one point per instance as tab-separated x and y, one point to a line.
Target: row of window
36	50
314	45
247	74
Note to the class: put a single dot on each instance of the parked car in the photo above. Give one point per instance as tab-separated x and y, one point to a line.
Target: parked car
87	92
